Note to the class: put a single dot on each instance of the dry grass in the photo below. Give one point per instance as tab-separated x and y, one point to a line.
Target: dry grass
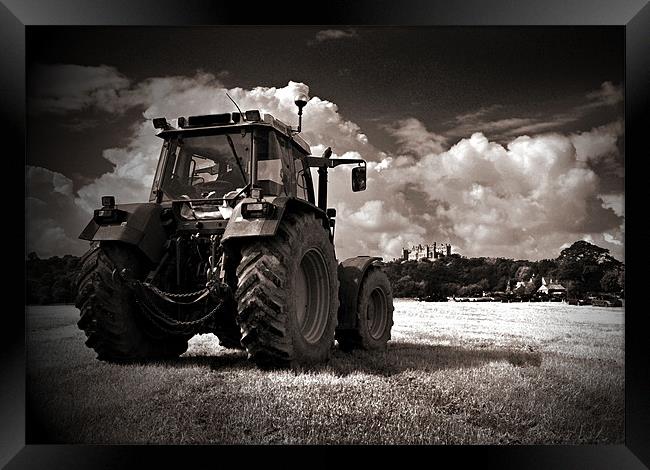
453	374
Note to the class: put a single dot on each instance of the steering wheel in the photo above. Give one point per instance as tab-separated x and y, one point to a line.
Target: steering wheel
218	186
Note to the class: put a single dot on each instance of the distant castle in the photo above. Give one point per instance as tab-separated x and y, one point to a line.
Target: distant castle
418	252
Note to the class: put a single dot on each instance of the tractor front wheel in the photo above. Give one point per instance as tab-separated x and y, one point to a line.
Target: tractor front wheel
374	315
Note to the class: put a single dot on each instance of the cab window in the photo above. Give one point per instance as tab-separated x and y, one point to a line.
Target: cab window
275	172
301	180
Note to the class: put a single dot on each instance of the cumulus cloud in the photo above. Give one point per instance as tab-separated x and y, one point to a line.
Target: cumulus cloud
518	200
615	202
522	199
611	239
598	143
333	34
135	163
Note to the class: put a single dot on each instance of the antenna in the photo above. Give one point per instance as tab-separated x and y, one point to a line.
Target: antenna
237	106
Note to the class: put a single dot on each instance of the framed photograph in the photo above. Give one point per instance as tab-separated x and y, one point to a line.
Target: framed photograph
405	225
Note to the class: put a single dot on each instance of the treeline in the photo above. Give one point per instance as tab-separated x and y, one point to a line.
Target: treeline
582	268
51	280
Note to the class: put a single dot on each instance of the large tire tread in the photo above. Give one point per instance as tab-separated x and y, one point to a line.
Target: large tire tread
263	298
107	311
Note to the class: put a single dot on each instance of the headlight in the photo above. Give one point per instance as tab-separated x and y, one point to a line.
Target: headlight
261	209
107	216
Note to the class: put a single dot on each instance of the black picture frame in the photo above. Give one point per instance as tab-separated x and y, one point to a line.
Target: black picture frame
632	15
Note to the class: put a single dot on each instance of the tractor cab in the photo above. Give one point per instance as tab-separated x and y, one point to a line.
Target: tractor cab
224	157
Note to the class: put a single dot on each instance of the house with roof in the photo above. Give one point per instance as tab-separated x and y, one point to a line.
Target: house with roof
521	287
552	288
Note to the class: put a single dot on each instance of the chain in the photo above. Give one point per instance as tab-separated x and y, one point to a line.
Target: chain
168	296
151	316
171	325
172	295
163	321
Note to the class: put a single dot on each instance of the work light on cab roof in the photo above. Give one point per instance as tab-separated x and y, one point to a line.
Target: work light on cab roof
222	119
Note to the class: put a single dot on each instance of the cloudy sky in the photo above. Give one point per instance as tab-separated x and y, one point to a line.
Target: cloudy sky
501	141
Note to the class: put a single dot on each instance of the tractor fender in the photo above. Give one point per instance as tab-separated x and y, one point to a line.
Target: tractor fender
238	227
351	273
137	224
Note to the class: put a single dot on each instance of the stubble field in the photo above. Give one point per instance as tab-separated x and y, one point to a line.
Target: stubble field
454	373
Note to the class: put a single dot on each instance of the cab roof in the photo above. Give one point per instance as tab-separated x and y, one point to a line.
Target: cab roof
204	125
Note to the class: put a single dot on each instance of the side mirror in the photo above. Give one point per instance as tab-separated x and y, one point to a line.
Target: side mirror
359	178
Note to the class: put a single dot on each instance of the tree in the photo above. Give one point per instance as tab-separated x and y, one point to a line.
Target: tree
523	273
610	282
591	277
51	280
582	267
531	287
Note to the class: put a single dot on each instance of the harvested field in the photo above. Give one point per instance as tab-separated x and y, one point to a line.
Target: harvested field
454	373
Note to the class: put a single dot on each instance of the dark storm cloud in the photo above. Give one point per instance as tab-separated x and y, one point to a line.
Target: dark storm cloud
53	220
80	125
66	87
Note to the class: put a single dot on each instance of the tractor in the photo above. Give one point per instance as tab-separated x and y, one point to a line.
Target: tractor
232	242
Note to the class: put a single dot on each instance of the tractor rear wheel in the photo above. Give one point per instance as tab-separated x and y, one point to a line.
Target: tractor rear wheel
109	313
374	314
287	295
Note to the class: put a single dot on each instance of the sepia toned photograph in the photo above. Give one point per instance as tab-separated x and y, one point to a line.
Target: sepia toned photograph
325	235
